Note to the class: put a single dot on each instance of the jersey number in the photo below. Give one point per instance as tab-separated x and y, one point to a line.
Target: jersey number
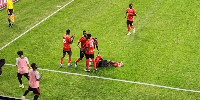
91	44
64	41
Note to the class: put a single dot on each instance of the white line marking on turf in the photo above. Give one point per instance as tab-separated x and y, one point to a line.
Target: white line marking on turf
35	25
126	81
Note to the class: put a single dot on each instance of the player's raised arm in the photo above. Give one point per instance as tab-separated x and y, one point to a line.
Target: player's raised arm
72	37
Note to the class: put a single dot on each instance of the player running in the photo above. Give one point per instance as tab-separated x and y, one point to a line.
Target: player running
34	79
81	40
22	63
130	13
67	40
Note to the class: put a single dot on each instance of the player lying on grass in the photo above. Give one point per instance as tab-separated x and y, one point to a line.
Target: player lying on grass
100	62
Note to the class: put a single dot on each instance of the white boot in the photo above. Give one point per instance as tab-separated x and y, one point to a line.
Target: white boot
129	33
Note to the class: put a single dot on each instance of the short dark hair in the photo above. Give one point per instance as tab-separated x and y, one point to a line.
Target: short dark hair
89	35
67	31
84	31
33	65
20	52
130	4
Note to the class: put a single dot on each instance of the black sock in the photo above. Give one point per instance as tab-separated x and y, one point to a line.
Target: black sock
20	80
36	97
9	21
26	92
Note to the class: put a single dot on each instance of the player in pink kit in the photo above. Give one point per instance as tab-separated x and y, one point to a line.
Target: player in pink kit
34	78
22	63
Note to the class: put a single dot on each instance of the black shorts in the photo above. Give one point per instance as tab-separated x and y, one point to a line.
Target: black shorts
129	22
2	62
66	51
36	91
103	63
89	56
81	54
20	75
10	11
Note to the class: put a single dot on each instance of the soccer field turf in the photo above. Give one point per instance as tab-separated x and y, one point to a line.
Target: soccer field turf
160	60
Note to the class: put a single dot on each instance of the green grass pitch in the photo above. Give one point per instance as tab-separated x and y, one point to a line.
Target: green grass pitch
164	51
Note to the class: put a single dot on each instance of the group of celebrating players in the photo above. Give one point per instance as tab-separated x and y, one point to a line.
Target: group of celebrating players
88	44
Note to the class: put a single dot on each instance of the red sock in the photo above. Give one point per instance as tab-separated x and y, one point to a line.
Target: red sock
94	63
116	64
128	28
69	60
132	27
78	60
61	60
87	63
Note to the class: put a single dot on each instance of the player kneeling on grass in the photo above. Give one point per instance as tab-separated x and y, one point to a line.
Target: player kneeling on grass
100	62
34	78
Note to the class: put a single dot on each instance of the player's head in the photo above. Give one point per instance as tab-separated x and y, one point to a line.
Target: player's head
34	66
68	31
84	33
20	53
130	5
89	36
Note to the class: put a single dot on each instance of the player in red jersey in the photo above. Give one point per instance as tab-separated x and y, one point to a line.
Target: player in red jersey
81	40
89	52
67	40
130	13
100	62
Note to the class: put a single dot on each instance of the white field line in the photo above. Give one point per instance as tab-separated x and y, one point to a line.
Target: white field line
126	81
35	25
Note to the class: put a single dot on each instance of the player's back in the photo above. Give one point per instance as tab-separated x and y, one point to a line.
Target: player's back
66	42
90	46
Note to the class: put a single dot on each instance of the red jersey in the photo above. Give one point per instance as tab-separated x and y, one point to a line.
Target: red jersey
98	59
66	42
90	45
132	12
83	41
